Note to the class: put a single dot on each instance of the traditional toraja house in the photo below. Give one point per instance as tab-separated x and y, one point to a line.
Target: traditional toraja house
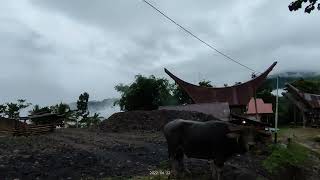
263	113
237	96
306	106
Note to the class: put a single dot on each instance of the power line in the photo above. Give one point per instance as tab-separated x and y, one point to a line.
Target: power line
192	34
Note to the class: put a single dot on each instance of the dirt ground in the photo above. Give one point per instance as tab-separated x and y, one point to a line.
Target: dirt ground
85	154
79	153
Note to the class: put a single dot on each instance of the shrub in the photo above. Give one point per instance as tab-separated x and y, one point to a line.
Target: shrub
282	156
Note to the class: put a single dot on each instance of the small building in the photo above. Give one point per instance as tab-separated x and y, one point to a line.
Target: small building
9	124
305	106
47	118
263	112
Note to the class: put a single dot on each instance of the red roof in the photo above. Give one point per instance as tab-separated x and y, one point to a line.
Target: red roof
263	108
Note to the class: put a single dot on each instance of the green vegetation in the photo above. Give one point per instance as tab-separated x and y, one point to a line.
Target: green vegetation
281	157
180	96
308	86
80	116
148	93
145	93
205	83
297	4
12	110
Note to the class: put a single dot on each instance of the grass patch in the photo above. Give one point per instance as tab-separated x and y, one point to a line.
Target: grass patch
164	164
281	157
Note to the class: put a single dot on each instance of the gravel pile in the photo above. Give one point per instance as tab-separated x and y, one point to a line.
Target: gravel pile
148	120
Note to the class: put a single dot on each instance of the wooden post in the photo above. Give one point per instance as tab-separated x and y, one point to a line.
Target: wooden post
294	114
276	117
255	103
304	118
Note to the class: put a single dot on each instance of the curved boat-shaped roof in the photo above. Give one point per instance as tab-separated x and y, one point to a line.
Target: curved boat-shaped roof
237	95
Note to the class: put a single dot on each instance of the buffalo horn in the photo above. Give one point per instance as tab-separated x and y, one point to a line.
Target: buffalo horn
234	128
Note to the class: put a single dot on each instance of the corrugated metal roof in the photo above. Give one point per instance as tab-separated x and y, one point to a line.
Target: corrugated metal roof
234	95
263	108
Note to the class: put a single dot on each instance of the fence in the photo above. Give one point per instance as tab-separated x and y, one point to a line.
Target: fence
29	130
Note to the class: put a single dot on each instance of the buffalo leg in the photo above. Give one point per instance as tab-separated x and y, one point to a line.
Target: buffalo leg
179	157
219	173
213	170
173	162
216	167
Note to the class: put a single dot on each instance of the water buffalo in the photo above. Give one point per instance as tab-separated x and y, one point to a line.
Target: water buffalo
212	140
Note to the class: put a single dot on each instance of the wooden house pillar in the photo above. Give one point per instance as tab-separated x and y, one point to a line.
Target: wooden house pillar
294	114
304	118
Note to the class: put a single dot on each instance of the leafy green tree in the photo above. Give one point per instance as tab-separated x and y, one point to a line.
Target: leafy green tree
12	110
145	93
61	109
39	110
308	86
82	107
205	83
90	121
2	110
297	4
181	96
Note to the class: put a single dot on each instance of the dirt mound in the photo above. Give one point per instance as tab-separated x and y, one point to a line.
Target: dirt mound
148	120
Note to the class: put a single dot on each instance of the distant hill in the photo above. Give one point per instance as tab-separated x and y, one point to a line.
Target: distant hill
105	107
287	77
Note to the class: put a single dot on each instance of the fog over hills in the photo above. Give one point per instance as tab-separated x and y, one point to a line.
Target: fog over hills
288	77
296	74
105	107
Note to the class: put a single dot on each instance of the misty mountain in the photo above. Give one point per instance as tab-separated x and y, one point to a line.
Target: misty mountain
292	74
288	77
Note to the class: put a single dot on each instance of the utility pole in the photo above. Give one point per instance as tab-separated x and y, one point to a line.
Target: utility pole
276	115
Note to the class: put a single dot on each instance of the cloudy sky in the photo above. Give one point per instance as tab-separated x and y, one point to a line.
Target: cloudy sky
53	50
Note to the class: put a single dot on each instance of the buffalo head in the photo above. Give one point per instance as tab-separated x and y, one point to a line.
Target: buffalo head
245	137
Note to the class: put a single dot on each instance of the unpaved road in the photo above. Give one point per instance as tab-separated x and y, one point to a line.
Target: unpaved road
76	153
83	154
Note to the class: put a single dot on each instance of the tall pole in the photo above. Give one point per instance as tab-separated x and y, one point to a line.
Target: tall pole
276	116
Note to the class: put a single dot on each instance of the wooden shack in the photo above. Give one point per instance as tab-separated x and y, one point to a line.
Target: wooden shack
47	118
259	110
6	123
306	106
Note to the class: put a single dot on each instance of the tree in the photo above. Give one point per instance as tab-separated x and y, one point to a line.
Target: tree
12	110
90	121
82	107
205	83
39	110
297	4
61	109
307	86
2	110
145	93
181	96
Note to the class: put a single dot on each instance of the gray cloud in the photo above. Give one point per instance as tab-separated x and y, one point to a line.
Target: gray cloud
51	51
